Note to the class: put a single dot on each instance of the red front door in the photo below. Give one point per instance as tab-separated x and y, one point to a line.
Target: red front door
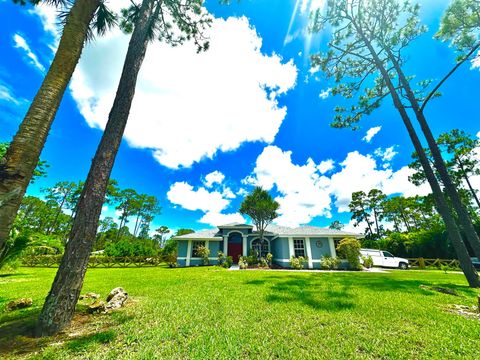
235	251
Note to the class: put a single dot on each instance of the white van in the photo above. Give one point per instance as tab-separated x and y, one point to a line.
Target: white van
385	259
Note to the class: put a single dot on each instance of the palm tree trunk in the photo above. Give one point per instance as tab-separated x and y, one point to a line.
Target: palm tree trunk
60	304
16	168
463	215
452	229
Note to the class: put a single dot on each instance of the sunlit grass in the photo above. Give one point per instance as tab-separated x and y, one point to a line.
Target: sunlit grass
197	313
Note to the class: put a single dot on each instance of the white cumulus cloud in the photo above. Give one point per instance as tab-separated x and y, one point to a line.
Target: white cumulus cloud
324	94
21	43
386	154
326	166
215	177
360	173
302	189
211	203
371	133
213	101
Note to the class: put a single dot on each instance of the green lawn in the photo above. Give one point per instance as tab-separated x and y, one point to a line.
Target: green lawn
204	313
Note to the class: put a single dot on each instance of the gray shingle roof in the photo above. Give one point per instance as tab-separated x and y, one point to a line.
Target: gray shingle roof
274	230
307	230
204	234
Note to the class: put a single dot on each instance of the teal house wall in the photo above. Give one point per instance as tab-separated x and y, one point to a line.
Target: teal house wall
315	243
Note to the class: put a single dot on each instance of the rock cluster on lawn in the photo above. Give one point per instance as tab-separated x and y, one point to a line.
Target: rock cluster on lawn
115	300
466	311
19	304
90	295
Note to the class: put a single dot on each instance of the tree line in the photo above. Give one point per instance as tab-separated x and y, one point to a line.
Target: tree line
365	58
385	218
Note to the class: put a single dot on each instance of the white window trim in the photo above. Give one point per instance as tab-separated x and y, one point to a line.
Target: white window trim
290	246
258	238
244	245
304	245
308	250
332	247
189	253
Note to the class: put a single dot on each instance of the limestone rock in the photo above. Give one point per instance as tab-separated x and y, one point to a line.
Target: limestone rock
90	295
98	306
19	304
116	298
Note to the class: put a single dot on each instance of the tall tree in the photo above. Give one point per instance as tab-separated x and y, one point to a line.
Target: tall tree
261	208
173	22
375	200
61	194
360	213
336	225
18	165
366	46
417	101
160	234
126	200
464	162
146	209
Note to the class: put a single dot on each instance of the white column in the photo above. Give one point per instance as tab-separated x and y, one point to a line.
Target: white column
189	253
332	247
225	245
245	238
309	252
290	247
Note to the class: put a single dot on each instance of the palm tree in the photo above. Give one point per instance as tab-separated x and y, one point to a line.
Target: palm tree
146	21
18	164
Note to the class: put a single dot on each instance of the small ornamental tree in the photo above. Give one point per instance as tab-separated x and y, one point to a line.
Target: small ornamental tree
261	208
349	249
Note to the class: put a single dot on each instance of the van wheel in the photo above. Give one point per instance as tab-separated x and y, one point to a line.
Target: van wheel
403	266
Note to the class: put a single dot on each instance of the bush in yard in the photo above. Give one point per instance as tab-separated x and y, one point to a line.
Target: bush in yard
252	258
269	259
132	247
220	258
329	263
349	249
242	262
263	263
41	244
367	261
298	263
204	253
228	262
14	247
170	253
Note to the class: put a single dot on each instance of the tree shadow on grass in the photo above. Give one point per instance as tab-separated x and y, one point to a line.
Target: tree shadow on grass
333	291
82	343
13	274
307	291
17	336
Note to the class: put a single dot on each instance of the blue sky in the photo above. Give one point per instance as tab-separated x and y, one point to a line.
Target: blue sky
206	128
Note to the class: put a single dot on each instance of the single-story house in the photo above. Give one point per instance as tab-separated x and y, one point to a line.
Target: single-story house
282	242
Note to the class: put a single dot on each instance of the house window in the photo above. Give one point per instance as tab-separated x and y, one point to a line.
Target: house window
260	248
195	246
299	247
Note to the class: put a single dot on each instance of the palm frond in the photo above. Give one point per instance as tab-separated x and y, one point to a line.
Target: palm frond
104	19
